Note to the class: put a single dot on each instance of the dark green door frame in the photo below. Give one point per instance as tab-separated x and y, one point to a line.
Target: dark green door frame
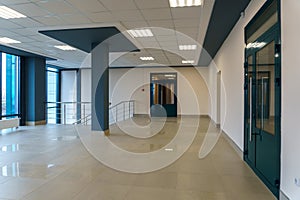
164	107
261	148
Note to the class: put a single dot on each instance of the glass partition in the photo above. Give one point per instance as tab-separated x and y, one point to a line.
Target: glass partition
10	67
52	95
260	25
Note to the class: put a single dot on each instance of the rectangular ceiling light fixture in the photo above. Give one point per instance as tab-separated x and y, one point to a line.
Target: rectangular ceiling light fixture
185	3
140	33
8	13
187	47
7	40
146	58
170	75
188	62
65	47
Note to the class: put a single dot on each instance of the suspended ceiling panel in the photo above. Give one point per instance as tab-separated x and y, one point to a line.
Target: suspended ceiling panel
218	17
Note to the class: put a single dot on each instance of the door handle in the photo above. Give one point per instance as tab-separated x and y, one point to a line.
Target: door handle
262	103
250	109
262	122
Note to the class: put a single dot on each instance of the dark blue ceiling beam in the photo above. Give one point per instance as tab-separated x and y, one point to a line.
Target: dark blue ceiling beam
224	16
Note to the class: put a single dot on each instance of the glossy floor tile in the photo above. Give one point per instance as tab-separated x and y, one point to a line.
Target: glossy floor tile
51	162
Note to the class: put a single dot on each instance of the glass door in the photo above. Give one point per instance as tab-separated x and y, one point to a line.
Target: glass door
262	109
263	95
163	100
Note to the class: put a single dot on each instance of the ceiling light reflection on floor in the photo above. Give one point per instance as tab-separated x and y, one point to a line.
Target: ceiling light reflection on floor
66	138
10	148
169	149
26	170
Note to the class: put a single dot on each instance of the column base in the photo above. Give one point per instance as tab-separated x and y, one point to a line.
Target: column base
106	132
35	123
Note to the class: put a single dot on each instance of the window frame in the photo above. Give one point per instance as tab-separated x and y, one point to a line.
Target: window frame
17	114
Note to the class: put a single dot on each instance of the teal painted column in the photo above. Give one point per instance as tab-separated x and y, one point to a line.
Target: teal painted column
100	88
33	83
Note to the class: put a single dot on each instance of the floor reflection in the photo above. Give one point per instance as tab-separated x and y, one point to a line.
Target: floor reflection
10	148
50	162
157	141
24	170
66	138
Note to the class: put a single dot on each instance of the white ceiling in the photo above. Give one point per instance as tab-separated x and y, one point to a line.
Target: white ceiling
171	27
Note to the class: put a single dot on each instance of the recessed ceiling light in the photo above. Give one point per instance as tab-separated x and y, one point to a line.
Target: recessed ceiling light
146	58
188	62
185	3
170	75
8	13
140	33
65	47
7	40
187	47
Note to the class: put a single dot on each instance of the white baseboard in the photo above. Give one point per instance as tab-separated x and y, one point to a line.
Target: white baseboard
234	145
282	196
229	140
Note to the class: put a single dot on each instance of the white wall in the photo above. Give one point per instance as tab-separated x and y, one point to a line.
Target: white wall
229	60
133	84
212	85
290	167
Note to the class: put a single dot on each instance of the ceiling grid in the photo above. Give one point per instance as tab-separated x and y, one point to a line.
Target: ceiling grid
174	26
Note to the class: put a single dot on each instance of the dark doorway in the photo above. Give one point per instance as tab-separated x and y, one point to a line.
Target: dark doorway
163	89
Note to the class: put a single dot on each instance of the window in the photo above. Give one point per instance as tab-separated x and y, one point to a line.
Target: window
52	95
10	70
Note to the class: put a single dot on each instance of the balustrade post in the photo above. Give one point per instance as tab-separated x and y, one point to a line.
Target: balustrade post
116	114
123	111
129	108
65	114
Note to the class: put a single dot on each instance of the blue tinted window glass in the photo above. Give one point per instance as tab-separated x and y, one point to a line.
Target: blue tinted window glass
10	84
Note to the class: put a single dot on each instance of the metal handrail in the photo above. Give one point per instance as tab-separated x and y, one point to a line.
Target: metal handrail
127	111
83	120
71	102
63	113
67	112
121	103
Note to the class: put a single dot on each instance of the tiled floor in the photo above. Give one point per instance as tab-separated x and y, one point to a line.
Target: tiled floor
50	162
